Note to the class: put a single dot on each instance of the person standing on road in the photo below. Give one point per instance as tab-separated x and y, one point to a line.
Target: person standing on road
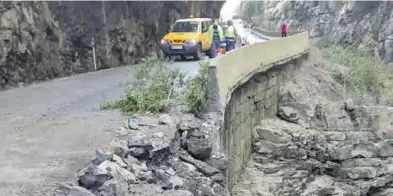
216	36
283	29
230	36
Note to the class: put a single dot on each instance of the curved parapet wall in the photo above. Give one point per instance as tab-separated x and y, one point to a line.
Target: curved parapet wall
244	86
238	66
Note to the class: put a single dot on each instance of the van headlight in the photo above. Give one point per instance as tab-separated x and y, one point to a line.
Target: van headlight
191	41
164	41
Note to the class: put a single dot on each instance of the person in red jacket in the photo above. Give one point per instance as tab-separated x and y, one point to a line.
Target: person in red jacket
283	29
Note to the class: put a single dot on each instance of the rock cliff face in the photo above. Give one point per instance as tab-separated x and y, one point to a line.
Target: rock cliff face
363	24
45	40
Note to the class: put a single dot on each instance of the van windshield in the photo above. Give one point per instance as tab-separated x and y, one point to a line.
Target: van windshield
185	26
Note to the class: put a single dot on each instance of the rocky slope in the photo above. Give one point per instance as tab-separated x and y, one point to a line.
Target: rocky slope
363	24
320	144
45	40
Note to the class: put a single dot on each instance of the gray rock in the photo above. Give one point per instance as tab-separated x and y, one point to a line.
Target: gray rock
117	147
119	161
92	176
349	105
201	166
366	162
219	161
190	167
198	144
199	148
272	135
139	152
165	119
186	126
163	177
100	157
219	178
139	167
142	144
114	187
147	176
386	148
219	190
365	150
131	124
335	136
287	114
117	172
386	192
170	171
142	172
176	182
359	173
130	160
321	185
204	186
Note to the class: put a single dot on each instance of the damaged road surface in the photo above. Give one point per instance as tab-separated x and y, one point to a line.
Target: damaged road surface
49	130
148	164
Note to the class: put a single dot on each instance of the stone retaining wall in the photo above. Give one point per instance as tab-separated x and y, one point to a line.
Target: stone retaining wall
243	87
249	104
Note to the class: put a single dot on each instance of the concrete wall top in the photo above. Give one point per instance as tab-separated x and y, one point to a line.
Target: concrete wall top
275	33
237	66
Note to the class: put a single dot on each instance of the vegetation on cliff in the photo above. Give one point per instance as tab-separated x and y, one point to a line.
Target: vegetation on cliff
366	78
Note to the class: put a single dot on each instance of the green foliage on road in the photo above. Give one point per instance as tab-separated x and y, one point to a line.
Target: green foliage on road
156	87
365	75
152	90
195	96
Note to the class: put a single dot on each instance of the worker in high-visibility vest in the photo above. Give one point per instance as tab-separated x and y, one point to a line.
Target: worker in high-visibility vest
230	36
216	36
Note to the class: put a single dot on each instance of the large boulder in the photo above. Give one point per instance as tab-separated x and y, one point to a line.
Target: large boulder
92	176
199	146
142	146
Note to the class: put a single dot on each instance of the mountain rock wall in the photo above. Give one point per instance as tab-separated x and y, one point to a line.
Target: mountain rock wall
46	40
367	25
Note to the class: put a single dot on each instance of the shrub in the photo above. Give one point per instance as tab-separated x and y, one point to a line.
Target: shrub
152	89
195	95
156	85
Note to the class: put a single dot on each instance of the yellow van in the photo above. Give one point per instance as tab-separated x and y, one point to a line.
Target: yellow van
188	37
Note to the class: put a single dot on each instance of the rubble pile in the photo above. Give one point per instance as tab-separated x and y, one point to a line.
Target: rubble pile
146	164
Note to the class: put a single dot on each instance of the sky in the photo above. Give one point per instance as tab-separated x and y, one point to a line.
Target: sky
229	8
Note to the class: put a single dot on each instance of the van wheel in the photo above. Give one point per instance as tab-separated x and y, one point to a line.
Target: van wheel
198	55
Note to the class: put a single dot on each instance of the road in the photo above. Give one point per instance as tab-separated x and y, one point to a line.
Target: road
51	129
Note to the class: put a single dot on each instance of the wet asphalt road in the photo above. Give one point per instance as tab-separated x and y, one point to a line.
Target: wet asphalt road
51	129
